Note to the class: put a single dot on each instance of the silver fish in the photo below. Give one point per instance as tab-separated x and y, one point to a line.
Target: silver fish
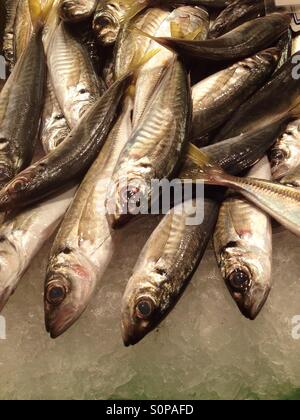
155	147
84	245
22	236
243	247
75	83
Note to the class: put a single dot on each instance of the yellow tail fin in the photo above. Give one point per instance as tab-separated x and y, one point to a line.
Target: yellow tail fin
177	32
208	168
38	13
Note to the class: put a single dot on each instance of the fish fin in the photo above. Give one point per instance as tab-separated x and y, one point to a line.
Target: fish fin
177	33
209	170
38	13
142	33
136	64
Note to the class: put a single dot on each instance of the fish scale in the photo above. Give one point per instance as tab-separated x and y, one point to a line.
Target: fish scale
74	80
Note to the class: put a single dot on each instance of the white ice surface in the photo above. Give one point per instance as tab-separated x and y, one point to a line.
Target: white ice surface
204	349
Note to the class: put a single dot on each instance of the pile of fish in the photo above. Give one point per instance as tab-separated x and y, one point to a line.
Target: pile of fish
104	96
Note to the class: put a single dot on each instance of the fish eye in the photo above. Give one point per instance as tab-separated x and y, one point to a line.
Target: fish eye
144	308
56	294
59	117
129	192
277	155
83	91
239	280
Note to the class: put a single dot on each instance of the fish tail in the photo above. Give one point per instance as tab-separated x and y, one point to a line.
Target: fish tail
209	170
38	13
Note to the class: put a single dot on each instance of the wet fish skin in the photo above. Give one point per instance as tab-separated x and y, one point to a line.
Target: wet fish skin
285	154
262	107
218	96
243	247
75	83
54	129
76	10
72	158
21	237
235	14
241	42
191	21
292	179
155	147
84	245
234	155
20	109
8	41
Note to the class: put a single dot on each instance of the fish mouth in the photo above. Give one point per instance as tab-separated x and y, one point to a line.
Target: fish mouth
132	333
117	221
251	306
106	28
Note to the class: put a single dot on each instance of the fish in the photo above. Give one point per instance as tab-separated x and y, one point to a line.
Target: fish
77	10
175	249
8	39
281	202
243	247
217	97
84	245
295	44
275	99
235	14
21	102
72	158
22	236
285	45
54	127
155	147
163	270
188	22
111	14
285	154
74	80
129	44
243	41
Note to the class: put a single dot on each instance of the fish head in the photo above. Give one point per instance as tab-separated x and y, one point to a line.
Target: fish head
74	10
127	197
11	264
142	306
247	276
107	22
70	283
285	154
